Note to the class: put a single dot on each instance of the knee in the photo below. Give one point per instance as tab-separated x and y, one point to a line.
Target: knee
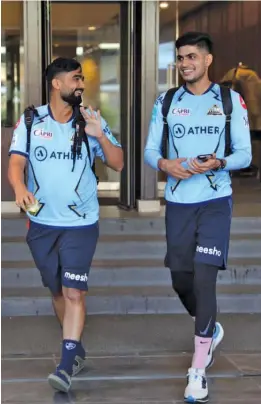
74	296
182	282
57	296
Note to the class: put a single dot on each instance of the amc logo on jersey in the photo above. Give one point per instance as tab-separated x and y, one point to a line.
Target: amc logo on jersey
42	133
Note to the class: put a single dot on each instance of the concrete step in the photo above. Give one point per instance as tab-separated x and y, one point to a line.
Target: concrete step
127	335
144	291
16	227
130	300
119	238
150	275
128	276
239	249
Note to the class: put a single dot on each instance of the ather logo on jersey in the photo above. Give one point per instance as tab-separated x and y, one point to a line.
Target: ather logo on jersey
179	130
203	130
41	154
63	156
209	251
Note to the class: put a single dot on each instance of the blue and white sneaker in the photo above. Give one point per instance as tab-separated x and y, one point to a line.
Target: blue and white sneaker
217	338
60	380
197	387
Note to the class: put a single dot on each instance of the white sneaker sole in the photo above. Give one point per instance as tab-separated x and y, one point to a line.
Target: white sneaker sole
58	384
193	400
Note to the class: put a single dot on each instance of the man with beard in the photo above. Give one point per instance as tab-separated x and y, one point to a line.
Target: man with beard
63	230
198	192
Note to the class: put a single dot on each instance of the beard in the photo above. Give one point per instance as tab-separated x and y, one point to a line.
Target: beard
72	99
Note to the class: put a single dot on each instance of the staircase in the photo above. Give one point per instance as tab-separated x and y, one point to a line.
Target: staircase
127	275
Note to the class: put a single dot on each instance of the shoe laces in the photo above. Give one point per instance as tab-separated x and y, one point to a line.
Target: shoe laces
197	377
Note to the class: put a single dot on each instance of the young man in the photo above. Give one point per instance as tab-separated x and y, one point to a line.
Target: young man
198	193
63	232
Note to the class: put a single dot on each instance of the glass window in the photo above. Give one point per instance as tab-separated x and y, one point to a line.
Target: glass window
166	58
91	34
166	51
232	25
12	62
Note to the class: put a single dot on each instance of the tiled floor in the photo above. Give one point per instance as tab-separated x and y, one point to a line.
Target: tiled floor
130	360
147	379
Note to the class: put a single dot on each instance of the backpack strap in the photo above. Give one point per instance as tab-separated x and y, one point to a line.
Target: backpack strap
86	141
228	108
165	110
29	114
83	137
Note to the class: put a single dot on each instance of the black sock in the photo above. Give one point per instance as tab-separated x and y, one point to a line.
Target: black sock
69	350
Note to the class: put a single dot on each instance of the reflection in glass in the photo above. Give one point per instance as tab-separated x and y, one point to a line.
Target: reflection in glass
12	62
90	33
166	58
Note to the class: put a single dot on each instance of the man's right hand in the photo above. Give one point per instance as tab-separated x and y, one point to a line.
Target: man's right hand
174	168
23	197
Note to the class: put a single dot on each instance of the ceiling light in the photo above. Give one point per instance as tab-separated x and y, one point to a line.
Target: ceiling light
92	28
79	51
164	4
109	46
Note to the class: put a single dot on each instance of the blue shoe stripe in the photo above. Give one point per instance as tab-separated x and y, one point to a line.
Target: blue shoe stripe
217	330
190	399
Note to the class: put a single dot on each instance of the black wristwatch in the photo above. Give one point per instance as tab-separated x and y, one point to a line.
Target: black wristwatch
222	165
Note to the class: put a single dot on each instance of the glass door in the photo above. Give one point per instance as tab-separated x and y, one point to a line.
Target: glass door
90	32
167	72
12	82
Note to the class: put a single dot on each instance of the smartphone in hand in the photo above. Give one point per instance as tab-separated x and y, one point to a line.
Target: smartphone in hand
204	157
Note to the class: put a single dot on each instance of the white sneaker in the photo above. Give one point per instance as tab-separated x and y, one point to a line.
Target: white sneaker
217	338
197	387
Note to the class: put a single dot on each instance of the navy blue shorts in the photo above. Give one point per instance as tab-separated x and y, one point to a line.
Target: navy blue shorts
198	232
63	255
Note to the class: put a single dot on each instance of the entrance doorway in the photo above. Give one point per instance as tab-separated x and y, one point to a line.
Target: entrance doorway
90	33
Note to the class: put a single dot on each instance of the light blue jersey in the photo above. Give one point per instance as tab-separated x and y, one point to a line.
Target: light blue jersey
68	198
197	126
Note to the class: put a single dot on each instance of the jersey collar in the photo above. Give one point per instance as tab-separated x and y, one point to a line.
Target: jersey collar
189	92
51	114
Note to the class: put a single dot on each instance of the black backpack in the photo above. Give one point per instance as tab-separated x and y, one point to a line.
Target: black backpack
31	112
227	106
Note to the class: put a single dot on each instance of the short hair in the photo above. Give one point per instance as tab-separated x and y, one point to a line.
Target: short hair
60	65
199	39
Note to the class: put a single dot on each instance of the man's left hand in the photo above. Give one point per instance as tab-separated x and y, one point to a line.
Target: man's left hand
93	123
196	167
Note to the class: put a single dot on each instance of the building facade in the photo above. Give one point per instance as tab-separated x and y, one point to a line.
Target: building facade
127	51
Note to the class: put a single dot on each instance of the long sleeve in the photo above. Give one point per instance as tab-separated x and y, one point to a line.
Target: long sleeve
152	152
18	144
240	136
